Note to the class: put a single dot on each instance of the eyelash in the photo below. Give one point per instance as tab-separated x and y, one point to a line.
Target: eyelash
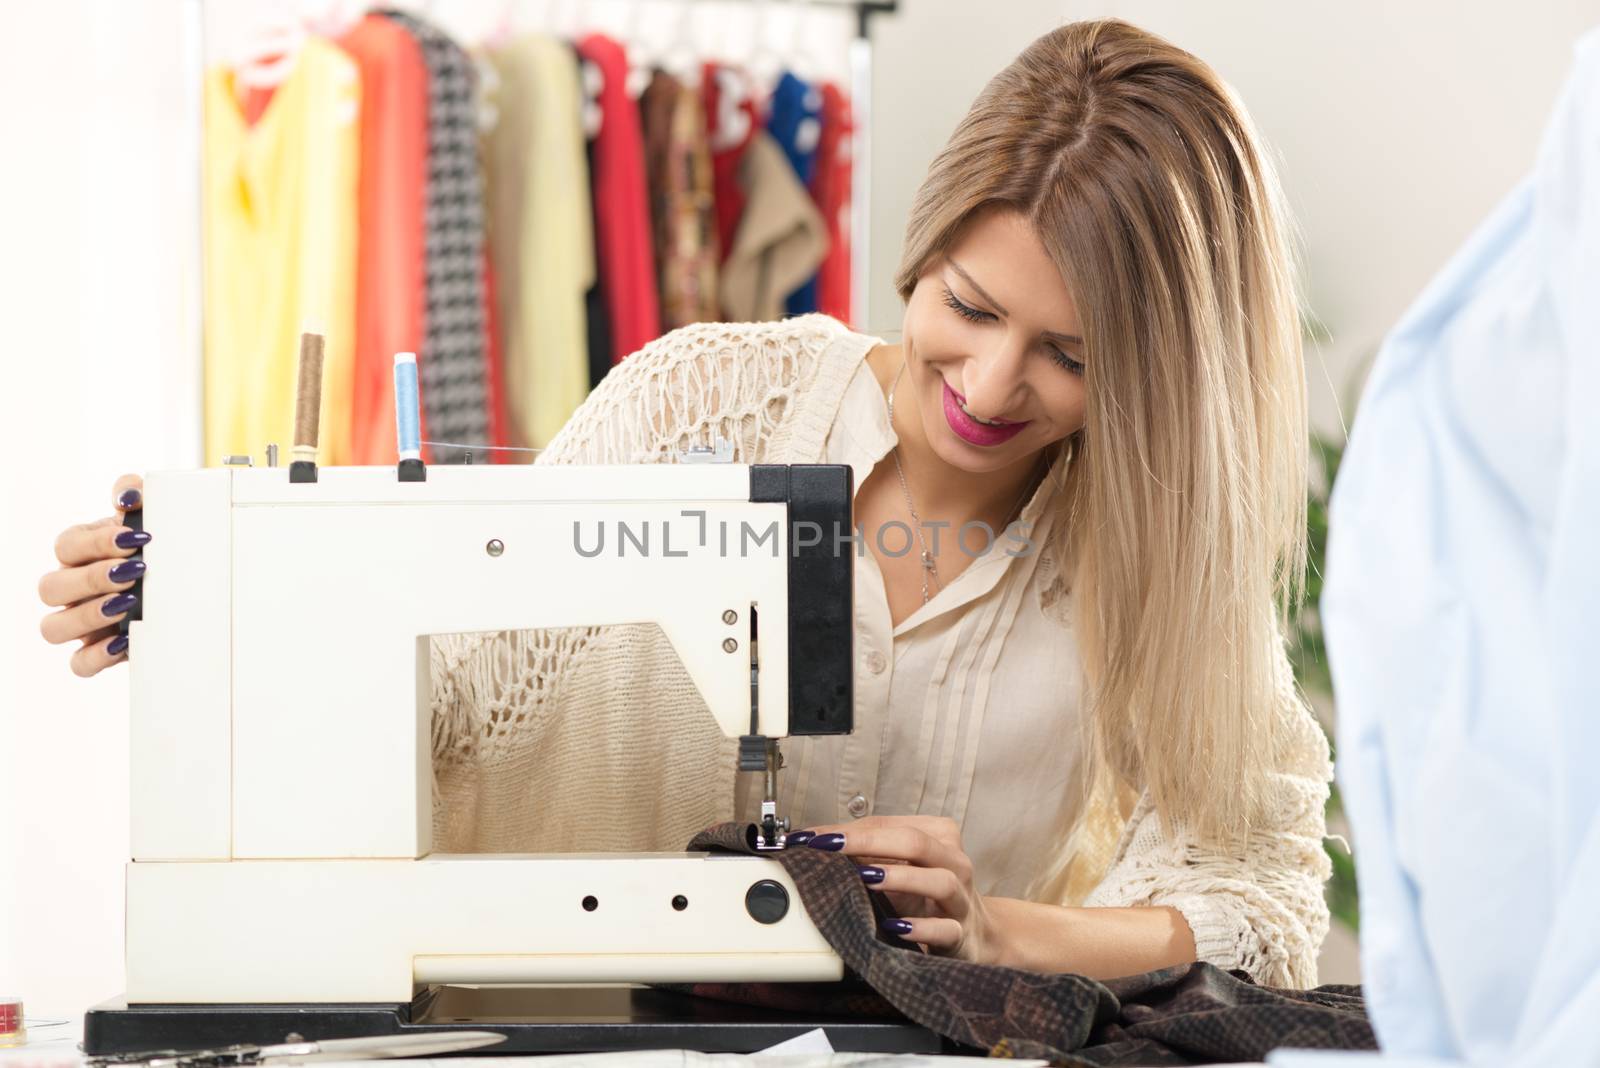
973	315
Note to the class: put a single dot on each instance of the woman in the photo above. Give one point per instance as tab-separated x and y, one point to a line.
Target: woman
1085	753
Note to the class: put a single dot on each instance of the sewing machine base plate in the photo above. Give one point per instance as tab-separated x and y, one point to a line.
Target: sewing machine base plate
535	1020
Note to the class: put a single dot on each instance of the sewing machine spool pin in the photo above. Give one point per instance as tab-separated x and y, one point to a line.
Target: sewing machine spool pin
307	406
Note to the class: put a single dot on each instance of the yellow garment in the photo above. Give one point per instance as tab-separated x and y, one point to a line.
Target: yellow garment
541	233
280	253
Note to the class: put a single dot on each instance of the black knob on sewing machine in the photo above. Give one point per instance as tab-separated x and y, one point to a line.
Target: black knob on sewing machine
767	901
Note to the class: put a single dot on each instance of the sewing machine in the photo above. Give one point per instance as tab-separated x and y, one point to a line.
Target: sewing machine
283	877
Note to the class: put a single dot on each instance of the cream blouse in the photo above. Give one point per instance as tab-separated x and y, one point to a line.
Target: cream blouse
967	709
595	739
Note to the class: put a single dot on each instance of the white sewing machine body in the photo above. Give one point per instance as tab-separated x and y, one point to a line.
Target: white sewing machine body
280	729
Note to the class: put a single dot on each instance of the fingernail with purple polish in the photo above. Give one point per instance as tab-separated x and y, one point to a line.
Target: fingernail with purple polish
870	875
831	842
118	645
133	539
127	571
130	499
897	927
118	604
798	838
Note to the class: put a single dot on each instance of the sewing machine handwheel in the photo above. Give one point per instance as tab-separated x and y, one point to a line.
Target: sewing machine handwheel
133	519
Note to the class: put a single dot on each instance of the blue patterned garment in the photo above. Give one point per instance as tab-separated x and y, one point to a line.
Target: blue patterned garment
794	120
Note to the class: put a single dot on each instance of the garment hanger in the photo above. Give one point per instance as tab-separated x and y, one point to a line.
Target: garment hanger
337	19
764	64
505	24
640	64
568	19
272	48
732	122
680	57
590	75
629	34
808	64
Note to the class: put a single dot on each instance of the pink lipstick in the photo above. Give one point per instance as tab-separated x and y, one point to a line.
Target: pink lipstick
969	429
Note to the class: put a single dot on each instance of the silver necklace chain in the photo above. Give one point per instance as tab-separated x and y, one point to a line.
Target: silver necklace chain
929	567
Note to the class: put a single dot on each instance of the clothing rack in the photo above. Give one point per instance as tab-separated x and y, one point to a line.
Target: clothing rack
865	9
860	66
861	146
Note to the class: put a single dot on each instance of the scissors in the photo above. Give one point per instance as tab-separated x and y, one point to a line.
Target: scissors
331	1049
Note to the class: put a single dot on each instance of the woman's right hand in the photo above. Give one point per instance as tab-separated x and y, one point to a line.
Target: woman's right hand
89	586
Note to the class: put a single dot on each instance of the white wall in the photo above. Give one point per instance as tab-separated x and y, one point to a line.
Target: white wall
99	377
1399	126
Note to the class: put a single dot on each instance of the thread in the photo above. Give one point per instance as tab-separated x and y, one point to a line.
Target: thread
308	398
407	411
485	448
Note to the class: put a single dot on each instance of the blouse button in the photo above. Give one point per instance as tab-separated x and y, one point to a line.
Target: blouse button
857	805
876	662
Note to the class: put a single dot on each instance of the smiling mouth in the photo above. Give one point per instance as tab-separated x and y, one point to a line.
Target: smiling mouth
962	401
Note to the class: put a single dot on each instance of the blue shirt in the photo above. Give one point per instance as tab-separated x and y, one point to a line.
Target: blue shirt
1463	583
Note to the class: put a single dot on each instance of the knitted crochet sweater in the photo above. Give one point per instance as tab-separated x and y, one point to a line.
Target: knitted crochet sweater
594	738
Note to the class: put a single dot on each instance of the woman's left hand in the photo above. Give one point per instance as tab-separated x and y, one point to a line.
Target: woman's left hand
919	862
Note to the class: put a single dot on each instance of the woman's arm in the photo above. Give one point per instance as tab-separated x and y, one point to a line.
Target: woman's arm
1168	899
1261	908
1102	943
921	864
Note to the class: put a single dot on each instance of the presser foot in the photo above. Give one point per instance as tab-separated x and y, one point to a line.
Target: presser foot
771	832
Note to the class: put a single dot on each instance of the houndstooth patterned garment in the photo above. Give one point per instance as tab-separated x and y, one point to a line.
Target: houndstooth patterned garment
453	362
1189	1014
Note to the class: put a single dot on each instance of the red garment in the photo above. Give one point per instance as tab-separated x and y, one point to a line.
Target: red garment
830	189
621	205
731	124
389	242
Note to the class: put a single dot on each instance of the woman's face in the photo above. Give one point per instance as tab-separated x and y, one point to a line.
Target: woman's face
992	336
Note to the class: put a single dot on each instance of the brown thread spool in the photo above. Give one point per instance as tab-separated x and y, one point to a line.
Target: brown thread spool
307	409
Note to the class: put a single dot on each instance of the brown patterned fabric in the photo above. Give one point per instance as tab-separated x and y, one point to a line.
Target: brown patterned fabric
1192	1014
678	172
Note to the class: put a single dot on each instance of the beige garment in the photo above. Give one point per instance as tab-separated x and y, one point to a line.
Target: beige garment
594	739
541	232
781	239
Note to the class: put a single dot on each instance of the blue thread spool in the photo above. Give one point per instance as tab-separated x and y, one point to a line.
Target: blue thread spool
407	418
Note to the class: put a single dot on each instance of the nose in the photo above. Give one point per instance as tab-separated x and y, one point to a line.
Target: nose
992	381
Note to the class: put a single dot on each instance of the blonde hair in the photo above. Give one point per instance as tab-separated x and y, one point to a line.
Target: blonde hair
1184	527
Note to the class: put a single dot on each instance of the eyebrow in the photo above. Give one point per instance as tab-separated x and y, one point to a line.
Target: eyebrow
1058	335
